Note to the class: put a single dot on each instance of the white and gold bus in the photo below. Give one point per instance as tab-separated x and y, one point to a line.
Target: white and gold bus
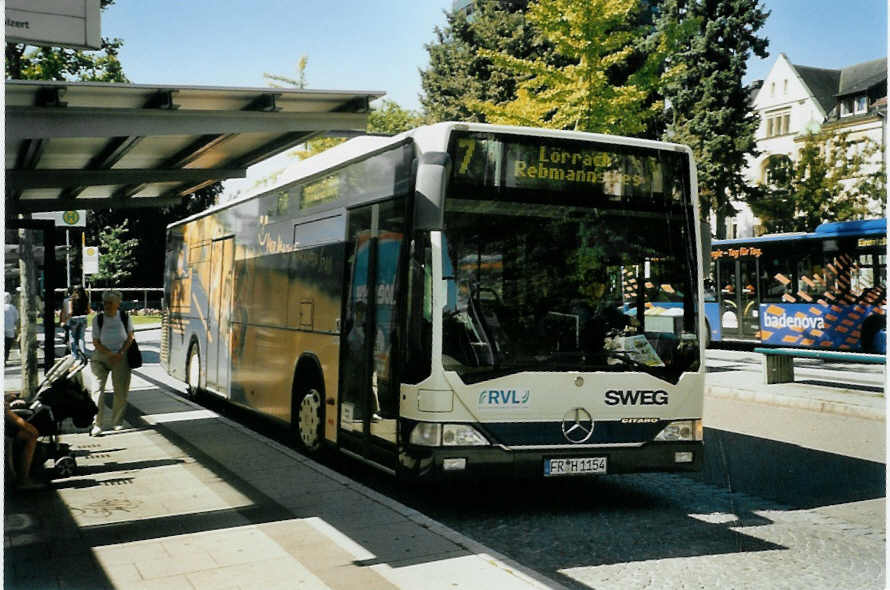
458	299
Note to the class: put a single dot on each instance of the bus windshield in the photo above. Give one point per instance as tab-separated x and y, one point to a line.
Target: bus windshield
544	277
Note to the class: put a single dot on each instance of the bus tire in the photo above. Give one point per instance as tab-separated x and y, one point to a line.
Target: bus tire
193	372
310	420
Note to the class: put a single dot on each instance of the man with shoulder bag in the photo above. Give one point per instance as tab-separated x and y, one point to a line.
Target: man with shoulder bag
113	335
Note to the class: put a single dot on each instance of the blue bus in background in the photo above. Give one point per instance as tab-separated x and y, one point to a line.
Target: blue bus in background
825	289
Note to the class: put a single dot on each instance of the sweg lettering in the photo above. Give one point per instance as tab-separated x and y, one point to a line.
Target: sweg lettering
787	321
641	397
504	398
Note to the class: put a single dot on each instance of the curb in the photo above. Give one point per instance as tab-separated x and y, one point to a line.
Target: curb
797	402
522	572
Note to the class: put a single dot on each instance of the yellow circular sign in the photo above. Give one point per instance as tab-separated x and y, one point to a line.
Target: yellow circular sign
71	217
91	251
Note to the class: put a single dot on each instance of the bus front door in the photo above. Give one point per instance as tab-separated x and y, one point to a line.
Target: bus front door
727	275
739	301
749	302
219	356
369	390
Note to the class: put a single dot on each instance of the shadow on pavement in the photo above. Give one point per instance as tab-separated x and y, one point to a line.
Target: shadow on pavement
793	475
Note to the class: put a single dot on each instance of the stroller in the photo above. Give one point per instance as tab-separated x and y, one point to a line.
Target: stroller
61	395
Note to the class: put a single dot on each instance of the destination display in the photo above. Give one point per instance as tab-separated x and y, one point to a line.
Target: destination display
566	166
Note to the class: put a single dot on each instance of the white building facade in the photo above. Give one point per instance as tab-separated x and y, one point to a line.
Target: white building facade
795	100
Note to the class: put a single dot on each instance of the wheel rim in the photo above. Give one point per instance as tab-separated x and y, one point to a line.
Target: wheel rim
310	420
194	371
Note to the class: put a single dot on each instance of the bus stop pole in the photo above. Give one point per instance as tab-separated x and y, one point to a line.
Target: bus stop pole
67	258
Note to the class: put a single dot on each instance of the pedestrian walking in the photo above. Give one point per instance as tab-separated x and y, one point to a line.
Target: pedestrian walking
10	325
111	339
65	316
80	309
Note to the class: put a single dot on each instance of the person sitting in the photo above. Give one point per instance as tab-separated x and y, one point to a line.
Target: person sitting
26	434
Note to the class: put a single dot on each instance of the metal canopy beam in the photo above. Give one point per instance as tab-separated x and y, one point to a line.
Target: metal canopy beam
175	129
39	205
284	142
38	123
111	154
57	178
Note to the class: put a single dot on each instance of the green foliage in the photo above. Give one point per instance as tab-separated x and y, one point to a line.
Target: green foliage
387	119
148	227
599	77
833	179
458	72
116	262
708	43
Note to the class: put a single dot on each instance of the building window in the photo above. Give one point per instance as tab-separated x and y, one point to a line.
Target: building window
778	123
860	104
776	170
846	107
785	87
772	89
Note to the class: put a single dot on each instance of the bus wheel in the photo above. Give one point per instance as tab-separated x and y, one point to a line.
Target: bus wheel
310	421
193	372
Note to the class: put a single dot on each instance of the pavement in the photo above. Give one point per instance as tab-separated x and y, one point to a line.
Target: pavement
186	498
860	394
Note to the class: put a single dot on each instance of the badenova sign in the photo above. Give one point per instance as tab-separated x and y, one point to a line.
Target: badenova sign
54	23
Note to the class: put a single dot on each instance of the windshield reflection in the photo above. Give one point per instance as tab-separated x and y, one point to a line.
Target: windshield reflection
538	288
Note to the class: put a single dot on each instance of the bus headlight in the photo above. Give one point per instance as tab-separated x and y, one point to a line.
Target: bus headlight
434	434
462	435
426	434
681	430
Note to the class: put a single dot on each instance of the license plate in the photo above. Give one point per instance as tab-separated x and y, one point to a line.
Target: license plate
574	466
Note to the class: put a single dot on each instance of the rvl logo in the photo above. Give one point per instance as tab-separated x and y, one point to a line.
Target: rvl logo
504	398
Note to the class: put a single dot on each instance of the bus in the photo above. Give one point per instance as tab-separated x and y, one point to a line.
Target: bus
458	300
825	289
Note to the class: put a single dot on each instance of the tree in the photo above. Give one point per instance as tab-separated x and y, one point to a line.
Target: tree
146	226
279	81
709	43
598	78
116	262
389	118
457	71
55	63
833	179
30	313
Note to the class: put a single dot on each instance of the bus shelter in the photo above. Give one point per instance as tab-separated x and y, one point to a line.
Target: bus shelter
87	145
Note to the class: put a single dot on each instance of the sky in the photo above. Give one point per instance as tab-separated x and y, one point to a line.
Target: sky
379	44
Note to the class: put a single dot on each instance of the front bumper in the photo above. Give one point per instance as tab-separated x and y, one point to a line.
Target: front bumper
499	462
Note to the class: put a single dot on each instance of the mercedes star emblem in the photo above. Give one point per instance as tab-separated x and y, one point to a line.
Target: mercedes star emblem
577	425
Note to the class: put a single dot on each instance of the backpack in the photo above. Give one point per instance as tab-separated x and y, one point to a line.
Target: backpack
79	305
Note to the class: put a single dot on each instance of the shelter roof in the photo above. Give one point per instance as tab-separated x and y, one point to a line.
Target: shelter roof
90	145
